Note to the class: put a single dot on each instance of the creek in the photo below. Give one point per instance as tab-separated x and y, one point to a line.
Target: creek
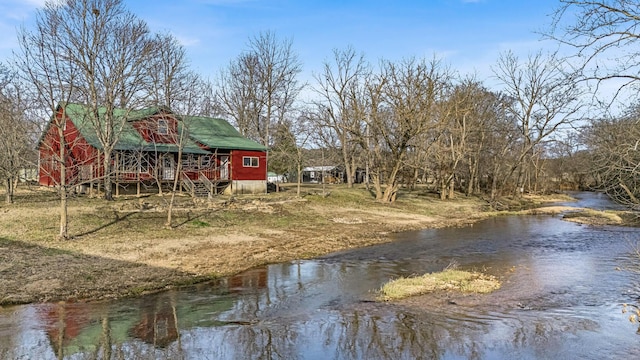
563	295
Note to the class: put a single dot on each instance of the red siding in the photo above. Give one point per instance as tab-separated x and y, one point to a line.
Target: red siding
148	129
241	172
77	154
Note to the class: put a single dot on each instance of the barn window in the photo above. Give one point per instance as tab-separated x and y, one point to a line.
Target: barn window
163	127
205	161
250	161
133	162
189	162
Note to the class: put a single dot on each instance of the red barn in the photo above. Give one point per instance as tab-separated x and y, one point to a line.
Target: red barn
215	158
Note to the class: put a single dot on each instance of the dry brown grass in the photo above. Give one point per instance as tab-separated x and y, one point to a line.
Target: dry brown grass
446	280
594	217
122	247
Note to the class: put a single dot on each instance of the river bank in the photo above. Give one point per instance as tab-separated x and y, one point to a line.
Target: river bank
122	248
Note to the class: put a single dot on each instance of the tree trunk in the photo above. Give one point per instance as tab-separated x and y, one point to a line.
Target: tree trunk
443	189
452	186
473	170
347	166
390	192
299	179
176	178
414	179
9	193
494	186
353	171
64	220
377	185
108	191
495	181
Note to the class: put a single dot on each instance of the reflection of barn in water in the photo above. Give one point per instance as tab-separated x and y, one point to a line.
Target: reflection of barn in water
63	325
250	279
157	320
158	323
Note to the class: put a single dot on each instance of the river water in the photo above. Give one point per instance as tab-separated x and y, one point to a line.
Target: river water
563	295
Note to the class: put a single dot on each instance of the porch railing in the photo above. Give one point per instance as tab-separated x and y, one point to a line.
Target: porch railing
188	183
202	177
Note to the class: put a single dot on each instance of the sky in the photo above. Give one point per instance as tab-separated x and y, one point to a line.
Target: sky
468	35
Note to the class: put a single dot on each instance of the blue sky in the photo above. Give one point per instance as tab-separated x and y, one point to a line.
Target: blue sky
469	35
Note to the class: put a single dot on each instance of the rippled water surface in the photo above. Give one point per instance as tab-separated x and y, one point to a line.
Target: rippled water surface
564	286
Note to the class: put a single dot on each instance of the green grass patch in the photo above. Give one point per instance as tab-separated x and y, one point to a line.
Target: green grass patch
448	279
200	223
340	195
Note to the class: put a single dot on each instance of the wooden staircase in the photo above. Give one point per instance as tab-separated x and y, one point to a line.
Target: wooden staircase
200	190
203	187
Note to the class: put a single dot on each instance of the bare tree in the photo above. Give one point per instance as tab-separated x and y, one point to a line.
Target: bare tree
171	82
279	67
180	140
403	105
456	117
259	88
45	63
500	136
613	146
604	35
174	85
107	48
480	118
544	97
16	132
288	151
189	100
236	94
340	109
570	164
97	53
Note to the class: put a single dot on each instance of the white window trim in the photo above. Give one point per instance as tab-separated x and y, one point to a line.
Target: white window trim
257	161
164	127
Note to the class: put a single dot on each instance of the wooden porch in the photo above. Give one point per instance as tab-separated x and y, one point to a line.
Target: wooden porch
199	176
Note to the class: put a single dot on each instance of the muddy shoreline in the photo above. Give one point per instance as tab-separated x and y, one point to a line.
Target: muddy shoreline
121	249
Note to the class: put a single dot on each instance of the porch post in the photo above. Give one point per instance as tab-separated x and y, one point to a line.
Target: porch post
139	167
117	173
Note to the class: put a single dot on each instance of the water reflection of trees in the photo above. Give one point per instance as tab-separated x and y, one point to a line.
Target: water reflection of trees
146	328
400	335
94	330
259	315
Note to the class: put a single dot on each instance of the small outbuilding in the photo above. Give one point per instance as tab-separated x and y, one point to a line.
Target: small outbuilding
318	174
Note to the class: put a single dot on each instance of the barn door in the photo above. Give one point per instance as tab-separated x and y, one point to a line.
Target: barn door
168	167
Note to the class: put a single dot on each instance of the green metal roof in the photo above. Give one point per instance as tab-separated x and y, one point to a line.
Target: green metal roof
211	132
218	134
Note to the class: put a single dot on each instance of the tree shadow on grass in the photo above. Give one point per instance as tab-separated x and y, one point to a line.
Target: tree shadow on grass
189	219
117	218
